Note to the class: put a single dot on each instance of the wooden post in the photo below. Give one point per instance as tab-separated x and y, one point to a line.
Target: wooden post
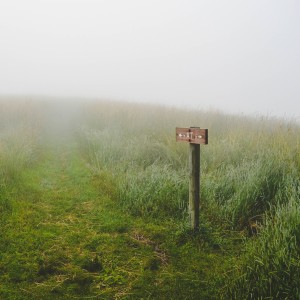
194	185
194	136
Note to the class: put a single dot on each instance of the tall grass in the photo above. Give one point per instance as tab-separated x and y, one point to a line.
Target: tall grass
250	174
157	192
18	147
243	168
145	170
270	267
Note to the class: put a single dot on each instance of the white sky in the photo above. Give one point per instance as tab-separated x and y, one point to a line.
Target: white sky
234	55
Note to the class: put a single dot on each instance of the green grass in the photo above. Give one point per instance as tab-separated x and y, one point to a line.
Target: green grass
66	238
249	171
93	204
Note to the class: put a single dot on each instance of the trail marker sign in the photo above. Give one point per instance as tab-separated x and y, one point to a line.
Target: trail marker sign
195	137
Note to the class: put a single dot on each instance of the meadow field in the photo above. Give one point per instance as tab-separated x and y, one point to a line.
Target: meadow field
94	200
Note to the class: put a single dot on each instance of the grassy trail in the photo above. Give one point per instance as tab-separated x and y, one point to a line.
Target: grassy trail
66	239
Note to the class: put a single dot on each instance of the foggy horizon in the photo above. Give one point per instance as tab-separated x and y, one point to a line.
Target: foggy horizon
234	56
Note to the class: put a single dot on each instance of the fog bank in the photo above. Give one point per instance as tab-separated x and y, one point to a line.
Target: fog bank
236	56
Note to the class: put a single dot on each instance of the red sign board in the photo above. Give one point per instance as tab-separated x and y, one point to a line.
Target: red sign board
193	135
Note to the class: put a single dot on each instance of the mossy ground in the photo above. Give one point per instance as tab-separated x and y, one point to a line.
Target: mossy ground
66	238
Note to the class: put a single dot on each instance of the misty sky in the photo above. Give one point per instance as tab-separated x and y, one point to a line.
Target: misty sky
234	55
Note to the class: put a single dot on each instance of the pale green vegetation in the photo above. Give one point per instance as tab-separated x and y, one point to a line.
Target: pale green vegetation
18	147
95	198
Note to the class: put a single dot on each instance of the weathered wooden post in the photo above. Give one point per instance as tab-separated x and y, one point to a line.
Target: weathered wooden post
195	136
194	185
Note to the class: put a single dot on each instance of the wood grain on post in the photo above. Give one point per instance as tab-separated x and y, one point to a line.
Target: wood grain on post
194	188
